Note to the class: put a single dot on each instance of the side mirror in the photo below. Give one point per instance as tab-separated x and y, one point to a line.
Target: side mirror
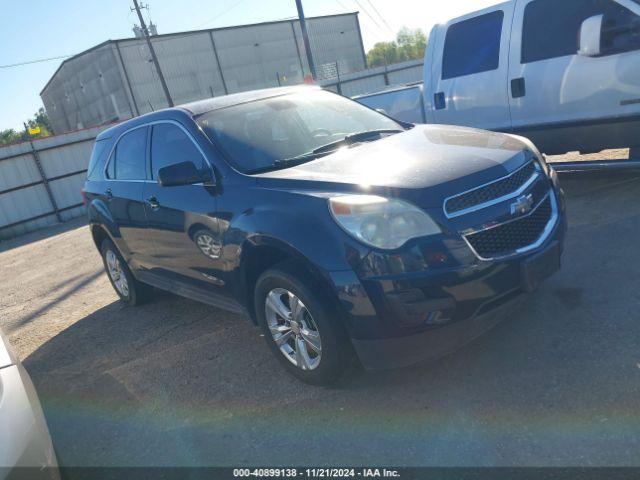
183	173
590	36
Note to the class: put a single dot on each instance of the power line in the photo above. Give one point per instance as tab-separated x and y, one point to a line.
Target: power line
29	62
366	12
342	5
380	16
224	12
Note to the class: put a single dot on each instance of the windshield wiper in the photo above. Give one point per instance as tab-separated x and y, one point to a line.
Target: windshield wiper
356	137
330	147
325	149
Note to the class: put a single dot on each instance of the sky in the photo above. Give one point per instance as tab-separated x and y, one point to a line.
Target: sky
41	29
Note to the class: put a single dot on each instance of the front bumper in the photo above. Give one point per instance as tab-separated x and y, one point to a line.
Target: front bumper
431	344
396	320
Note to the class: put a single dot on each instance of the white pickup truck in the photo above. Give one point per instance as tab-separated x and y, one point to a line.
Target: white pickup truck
565	73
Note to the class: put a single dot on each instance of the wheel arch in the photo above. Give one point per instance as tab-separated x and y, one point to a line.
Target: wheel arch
99	233
262	253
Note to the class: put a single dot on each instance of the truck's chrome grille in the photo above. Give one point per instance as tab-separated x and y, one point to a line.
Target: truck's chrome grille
516	235
491	193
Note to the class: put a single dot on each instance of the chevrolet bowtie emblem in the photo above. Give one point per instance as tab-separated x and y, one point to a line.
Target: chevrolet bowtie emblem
522	205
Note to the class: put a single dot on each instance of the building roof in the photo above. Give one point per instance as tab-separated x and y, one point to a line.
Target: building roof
166	35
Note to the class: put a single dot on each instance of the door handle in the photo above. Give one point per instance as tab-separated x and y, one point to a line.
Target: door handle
518	87
109	194
439	101
153	203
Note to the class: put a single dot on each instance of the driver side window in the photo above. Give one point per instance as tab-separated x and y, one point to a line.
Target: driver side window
620	30
551	29
171	145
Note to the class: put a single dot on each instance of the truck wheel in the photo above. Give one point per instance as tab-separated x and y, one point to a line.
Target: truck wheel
300	327
130	290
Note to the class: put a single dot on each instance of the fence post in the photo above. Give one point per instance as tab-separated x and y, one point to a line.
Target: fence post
45	180
338	75
386	75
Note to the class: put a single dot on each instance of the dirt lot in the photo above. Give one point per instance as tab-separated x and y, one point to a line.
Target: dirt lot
179	383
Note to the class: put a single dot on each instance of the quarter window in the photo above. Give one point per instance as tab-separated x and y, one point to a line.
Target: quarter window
171	145
473	46
100	151
551	29
128	160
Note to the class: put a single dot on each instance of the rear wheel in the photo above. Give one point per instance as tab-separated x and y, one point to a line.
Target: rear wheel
129	289
300	326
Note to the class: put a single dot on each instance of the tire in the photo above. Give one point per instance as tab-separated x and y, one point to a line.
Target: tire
307	320
130	290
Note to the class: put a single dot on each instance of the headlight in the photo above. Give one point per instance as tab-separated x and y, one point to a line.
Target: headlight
386	223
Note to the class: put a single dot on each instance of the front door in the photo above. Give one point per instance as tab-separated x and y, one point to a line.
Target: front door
470	69
182	219
567	101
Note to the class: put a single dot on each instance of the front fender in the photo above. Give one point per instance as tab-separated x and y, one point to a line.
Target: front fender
287	225
297	222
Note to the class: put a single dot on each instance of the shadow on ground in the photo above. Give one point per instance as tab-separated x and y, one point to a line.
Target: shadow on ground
43	234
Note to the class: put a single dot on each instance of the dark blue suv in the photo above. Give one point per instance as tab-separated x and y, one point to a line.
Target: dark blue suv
333	227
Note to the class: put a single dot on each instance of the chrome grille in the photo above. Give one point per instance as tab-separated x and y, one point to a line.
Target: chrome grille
490	192
514	235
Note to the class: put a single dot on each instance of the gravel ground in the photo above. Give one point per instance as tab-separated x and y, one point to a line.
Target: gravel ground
175	382
617	154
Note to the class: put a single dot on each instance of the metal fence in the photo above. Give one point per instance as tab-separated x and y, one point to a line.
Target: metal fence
40	181
373	79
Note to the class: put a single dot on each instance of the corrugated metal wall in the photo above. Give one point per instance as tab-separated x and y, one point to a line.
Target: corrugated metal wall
26	203
86	92
118	80
334	41
254	57
188	63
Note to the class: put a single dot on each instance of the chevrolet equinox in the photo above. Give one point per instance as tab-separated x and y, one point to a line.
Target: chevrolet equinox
333	227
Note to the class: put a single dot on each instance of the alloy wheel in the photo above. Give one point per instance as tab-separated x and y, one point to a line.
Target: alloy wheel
117	275
293	329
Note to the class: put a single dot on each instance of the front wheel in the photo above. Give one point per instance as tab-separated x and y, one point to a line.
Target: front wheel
130	290
300	326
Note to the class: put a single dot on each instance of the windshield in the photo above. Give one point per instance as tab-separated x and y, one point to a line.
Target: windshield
260	134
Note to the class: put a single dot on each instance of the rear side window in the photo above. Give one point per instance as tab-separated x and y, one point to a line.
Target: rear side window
551	29
171	145
473	46
129	158
98	157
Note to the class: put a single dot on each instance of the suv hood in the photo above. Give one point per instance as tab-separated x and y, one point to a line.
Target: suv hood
444	158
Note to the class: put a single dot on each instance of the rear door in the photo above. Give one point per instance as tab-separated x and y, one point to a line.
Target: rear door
125	177
469	70
566	101
182	219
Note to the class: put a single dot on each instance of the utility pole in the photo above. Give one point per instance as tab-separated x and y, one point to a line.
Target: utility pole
145	32
305	38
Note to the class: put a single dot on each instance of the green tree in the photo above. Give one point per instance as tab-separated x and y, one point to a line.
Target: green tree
408	45
9	136
40	119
